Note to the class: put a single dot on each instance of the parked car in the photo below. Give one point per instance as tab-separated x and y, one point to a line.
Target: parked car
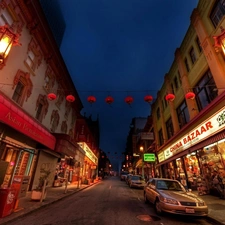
128	177
136	181
123	175
170	196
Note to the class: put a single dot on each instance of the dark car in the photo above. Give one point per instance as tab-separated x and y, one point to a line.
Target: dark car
123	175
168	195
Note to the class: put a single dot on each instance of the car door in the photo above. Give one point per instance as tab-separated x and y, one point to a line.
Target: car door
150	189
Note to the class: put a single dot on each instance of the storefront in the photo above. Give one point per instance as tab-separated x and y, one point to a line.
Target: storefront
194	157
90	164
20	141
70	163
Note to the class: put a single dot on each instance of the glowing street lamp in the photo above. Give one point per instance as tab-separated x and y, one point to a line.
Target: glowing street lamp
7	40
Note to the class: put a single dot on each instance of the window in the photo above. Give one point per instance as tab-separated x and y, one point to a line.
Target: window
179	76
192	55
41	107
17	96
23	87
172	88
169	128
176	84
183	114
49	79
165	101
158	113
217	12
34	56
198	44
161	142
205	90
187	65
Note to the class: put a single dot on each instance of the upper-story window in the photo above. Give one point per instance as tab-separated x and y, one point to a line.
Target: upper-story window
165	101
161	139
41	107
169	128
192	55
176	83
49	79
183	114
205	90
187	65
34	56
158	113
179	77
198	44
22	86
217	12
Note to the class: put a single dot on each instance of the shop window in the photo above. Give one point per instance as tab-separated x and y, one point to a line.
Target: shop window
217	12
181	176
41	107
205	90
169	128
183	114
23	87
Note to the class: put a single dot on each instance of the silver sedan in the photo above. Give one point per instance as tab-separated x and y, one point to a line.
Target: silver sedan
170	196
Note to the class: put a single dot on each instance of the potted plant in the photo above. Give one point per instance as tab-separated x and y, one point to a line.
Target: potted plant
39	192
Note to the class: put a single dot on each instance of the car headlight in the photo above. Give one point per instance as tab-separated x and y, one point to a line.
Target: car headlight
201	204
169	201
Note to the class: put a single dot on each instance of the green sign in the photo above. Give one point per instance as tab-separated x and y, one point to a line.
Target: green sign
149	157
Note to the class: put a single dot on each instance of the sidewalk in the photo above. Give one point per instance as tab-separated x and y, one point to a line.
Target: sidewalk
54	194
25	206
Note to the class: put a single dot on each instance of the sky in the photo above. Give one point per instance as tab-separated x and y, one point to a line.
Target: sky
121	48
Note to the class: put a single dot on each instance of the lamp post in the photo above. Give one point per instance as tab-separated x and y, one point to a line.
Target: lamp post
142	163
7	40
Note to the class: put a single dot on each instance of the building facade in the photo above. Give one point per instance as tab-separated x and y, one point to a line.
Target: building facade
38	100
188	114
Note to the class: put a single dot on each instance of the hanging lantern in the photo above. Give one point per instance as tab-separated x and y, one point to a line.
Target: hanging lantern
7	40
170	97
148	98
70	98
109	100
190	95
51	96
91	99
129	100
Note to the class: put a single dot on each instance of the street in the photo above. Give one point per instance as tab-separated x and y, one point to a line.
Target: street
110	202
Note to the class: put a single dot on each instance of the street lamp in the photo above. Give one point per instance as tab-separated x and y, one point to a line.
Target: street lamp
7	40
142	159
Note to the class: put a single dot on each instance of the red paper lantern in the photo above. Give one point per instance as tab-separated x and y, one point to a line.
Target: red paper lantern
170	97
70	98
109	100
148	98
129	100
51	96
190	95
91	99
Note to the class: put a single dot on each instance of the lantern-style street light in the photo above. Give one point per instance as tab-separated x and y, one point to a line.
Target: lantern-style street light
7	40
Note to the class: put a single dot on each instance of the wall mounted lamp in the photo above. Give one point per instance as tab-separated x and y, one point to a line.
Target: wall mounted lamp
219	41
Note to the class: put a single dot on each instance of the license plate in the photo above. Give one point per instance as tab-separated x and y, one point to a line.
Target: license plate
190	210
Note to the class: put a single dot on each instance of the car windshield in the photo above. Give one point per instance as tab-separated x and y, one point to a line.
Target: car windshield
136	178
169	185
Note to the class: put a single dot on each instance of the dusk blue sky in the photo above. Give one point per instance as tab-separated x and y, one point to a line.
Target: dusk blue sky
120	48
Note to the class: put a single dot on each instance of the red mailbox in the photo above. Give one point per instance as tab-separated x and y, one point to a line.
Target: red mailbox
8	197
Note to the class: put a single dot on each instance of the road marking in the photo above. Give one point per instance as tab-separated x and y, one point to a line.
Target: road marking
110	187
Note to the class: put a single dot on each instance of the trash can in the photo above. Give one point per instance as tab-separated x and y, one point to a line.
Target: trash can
8	198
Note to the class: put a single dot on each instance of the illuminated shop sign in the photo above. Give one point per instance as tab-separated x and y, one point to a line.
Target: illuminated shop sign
209	127
149	157
88	152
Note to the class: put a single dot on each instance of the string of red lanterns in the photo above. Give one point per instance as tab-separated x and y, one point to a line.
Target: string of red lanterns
129	100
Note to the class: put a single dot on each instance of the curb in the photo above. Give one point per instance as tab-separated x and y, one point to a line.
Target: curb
47	204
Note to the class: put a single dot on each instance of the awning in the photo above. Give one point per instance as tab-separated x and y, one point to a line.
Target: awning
14	117
208	141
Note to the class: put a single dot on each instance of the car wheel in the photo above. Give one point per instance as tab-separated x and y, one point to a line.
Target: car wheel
145	198
158	209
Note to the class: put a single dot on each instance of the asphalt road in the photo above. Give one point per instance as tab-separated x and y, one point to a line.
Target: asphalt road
110	202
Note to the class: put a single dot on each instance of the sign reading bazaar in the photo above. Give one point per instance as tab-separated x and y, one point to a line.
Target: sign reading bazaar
209	127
